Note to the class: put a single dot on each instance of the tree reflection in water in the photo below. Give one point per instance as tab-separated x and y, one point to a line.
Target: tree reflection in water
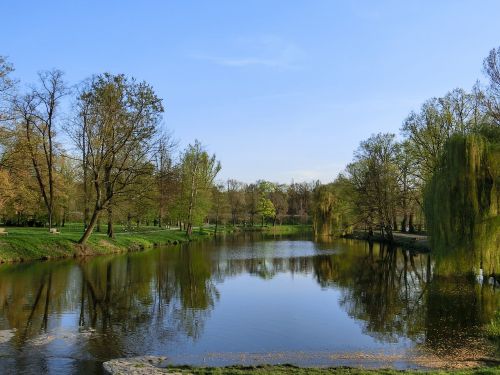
137	303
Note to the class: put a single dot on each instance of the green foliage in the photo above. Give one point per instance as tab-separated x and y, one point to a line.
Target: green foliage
22	244
493	328
266	208
198	170
332	209
461	205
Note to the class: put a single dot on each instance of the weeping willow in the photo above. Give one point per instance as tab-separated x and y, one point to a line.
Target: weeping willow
330	211
461	204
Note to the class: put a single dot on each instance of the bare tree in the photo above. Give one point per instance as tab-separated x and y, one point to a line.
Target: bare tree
236	198
37	111
6	86
165	173
492	69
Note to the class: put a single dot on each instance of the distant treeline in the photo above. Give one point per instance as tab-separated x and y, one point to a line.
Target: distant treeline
444	168
108	159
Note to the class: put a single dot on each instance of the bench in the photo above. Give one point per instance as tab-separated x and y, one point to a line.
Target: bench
3	232
54	231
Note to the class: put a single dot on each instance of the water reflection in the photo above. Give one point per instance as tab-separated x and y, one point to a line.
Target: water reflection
206	297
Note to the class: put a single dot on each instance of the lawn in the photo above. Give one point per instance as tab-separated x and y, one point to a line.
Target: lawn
23	244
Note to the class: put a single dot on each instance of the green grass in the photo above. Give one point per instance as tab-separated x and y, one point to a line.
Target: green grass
292	370
493	330
278	229
22	244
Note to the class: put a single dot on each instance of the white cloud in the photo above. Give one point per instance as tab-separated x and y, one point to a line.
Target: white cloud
266	51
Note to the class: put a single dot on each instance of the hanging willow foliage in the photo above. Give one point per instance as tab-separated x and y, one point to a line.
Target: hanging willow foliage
331	212
461	206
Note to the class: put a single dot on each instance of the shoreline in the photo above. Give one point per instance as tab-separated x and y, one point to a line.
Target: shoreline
157	365
37	244
409	241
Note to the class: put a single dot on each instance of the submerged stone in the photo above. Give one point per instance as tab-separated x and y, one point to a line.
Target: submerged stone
142	365
6	335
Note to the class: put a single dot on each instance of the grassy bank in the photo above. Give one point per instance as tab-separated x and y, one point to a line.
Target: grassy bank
23	244
292	370
493	331
278	229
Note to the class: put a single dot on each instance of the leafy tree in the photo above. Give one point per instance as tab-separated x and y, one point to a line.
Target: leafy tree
266	209
252	196
197	172
165	174
121	124
36	112
278	197
236	199
299	200
333	213
409	193
374	177
462	202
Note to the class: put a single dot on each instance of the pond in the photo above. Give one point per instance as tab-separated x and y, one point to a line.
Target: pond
241	299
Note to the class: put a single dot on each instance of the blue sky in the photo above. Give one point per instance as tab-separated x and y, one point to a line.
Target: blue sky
279	90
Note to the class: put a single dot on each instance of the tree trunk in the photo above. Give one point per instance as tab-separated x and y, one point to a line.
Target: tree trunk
389	235
86	199
90	227
111	230
404	223
410	224
47	300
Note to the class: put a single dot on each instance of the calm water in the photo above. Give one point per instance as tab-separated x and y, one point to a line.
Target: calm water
242	299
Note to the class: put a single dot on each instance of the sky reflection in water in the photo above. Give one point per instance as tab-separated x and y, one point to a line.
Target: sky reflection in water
241	299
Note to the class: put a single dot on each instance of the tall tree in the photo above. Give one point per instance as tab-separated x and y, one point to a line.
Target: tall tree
462	202
198	171
236	199
408	191
252	197
165	173
374	176
123	115
492	69
6	86
278	197
37	111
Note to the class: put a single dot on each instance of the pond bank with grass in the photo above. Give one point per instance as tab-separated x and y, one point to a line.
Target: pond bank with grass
26	244
150	365
20	244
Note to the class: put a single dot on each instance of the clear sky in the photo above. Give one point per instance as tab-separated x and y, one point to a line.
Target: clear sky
279	90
